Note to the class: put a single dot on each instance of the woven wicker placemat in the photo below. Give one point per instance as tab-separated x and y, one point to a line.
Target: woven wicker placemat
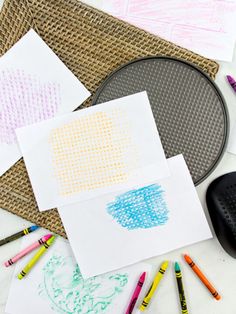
92	44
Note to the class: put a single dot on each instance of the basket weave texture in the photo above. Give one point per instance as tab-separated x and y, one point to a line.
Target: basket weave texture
92	44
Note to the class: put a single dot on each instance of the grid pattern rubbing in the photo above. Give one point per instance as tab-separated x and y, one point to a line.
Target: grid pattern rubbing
188	110
97	149
24	99
142	208
91	44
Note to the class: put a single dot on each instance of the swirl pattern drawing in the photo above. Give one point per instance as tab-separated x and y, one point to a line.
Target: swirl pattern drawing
67	293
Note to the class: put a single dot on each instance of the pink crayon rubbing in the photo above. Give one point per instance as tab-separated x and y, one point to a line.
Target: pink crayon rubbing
24	99
27	250
136	293
231	81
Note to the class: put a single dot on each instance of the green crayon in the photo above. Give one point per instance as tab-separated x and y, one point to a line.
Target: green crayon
180	289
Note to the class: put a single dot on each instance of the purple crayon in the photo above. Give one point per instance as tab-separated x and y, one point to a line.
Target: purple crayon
232	82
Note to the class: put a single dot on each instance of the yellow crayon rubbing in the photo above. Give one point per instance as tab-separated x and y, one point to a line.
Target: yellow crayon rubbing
154	286
94	149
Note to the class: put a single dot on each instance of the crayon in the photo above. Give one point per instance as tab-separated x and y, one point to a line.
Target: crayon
27	250
18	235
136	293
154	285
231	81
202	277
182	298
35	258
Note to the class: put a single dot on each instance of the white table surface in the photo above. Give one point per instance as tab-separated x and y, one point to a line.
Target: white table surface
219	266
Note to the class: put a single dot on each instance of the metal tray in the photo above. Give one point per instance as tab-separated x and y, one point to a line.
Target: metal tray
189	110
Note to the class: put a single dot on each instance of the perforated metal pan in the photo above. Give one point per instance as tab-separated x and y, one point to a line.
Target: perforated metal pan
189	109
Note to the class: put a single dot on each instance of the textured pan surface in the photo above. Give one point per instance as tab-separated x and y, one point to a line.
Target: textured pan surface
189	110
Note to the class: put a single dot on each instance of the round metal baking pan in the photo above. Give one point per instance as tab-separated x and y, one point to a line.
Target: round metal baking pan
189	109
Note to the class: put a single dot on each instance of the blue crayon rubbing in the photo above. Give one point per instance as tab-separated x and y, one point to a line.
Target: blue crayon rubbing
140	209
67	293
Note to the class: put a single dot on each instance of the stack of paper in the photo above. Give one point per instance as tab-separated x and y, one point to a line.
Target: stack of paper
121	201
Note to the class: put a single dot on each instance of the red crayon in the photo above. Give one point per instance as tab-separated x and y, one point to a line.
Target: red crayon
136	293
232	82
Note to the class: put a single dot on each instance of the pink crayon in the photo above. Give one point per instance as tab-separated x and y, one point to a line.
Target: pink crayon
232	82
136	293
27	250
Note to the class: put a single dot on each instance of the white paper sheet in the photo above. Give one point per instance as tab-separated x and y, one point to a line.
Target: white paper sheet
206	27
34	85
94	151
232	141
114	231
55	285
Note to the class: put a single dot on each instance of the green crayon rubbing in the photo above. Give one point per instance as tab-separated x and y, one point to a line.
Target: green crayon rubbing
67	292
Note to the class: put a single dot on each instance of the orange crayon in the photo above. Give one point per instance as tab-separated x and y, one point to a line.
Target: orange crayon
202	277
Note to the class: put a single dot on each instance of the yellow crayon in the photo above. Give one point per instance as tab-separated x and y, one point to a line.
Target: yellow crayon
154	285
36	257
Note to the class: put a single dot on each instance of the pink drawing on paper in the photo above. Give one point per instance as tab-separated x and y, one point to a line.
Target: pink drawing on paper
191	24
24	99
